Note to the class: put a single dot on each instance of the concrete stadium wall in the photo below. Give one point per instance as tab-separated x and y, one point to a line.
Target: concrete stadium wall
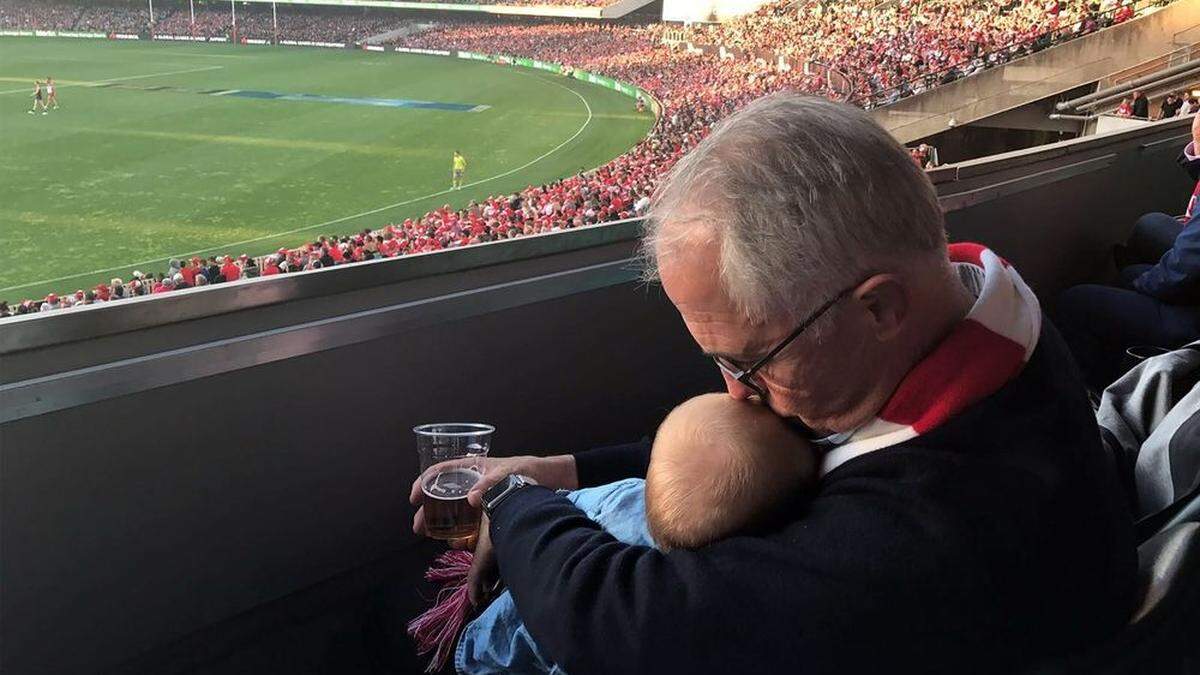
1047	73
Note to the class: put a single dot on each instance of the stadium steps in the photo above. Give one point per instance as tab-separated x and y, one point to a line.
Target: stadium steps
1047	73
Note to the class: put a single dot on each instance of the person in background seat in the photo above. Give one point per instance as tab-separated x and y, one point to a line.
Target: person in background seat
1156	301
1141	106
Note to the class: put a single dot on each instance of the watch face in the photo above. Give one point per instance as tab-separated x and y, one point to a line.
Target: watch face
496	490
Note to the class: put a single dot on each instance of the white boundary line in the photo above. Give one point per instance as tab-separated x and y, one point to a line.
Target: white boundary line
98	83
406	202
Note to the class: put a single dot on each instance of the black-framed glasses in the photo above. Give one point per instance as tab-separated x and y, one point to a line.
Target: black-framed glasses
745	376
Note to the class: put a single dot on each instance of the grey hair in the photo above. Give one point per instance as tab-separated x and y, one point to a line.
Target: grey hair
804	197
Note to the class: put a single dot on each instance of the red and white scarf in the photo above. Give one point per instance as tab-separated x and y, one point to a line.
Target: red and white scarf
985	350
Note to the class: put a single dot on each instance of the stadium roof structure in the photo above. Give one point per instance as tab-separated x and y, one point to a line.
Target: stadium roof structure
614	10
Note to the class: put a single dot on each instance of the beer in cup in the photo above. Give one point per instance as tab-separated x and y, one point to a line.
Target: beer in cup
457	449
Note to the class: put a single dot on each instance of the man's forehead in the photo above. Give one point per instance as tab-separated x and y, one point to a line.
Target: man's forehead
689	268
690	278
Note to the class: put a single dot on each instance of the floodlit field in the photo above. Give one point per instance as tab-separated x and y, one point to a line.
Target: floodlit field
165	150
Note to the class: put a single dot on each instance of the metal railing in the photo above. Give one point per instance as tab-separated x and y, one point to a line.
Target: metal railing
1169	60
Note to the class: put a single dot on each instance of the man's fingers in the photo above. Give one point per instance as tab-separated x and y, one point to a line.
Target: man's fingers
419	522
481	582
481	578
475	496
475	591
414	495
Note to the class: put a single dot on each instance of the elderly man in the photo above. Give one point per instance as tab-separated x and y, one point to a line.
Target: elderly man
967	519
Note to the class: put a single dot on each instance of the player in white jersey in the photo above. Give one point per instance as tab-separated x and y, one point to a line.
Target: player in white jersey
51	93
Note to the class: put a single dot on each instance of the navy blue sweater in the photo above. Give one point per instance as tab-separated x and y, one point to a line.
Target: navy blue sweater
993	540
1175	279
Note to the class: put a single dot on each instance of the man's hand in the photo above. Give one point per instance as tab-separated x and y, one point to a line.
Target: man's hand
557	472
482	578
1196	131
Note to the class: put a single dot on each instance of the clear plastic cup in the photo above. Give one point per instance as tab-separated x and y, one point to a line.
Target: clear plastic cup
457	447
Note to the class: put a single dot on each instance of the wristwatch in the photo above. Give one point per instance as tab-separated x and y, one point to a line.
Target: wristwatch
500	491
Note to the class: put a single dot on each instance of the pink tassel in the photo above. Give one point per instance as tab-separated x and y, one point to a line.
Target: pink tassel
437	630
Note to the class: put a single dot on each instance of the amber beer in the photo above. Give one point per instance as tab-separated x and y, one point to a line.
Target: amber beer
448	515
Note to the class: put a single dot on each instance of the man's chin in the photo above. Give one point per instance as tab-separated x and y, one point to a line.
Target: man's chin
810	431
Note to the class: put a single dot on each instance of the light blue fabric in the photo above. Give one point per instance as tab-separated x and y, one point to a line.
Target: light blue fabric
497	641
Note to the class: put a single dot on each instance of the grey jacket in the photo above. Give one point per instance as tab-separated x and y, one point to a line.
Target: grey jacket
1150	419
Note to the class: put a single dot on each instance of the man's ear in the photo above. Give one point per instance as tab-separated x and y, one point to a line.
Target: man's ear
884	301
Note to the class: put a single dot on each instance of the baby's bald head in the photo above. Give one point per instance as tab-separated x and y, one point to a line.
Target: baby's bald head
720	466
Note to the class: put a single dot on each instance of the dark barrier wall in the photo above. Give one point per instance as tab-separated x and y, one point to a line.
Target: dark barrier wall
1056	211
235	471
170	464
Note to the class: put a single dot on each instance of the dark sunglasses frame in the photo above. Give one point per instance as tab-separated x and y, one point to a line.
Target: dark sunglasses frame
744	375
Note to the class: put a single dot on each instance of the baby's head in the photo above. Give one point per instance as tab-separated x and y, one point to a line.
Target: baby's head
721	466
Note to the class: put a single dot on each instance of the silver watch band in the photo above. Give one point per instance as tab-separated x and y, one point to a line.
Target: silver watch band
515	482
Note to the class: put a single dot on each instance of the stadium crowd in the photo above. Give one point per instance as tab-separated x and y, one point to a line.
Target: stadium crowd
901	48
297	23
613	192
83	17
115	19
32	15
316	24
695	88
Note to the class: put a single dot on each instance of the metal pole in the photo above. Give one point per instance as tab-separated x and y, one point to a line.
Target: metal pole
233	13
274	23
151	11
192	10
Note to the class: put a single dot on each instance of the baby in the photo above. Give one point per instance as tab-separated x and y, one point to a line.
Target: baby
719	467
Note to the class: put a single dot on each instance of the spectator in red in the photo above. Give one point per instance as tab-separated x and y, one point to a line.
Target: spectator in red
190	270
1125	13
230	270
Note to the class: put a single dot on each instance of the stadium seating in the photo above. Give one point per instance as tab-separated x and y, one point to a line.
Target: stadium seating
318	25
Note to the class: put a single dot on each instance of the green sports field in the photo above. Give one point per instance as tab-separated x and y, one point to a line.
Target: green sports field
150	155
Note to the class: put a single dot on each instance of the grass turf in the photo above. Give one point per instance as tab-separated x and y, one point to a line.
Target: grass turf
125	176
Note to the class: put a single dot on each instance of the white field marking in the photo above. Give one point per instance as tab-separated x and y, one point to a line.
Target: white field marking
335	221
99	83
